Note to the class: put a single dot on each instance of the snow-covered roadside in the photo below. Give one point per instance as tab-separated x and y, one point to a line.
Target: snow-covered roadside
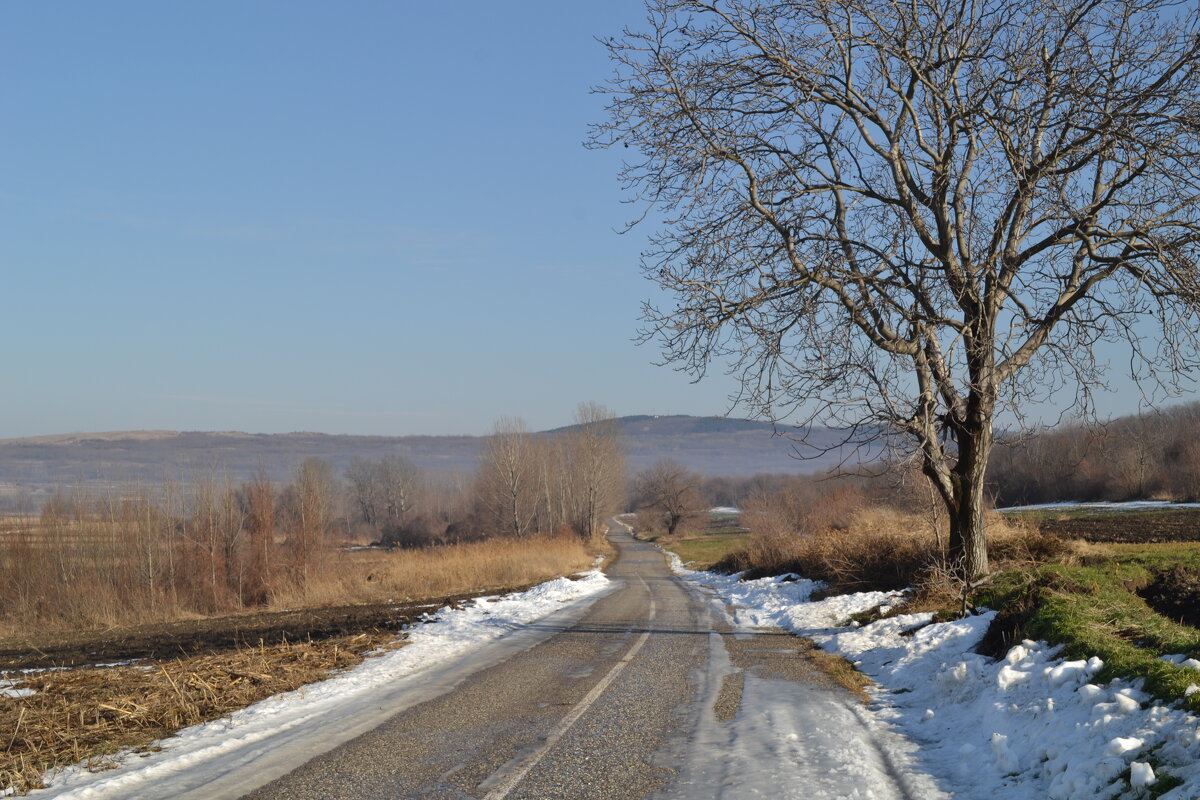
791	740
230	756
1029	725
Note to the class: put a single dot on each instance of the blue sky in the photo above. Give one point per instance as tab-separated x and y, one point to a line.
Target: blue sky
367	217
364	217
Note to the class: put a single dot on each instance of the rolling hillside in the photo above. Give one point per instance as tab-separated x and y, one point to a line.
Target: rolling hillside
37	465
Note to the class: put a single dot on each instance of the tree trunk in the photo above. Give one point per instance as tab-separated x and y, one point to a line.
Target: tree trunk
968	539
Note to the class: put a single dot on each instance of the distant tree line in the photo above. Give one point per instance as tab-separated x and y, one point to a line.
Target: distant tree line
668	498
218	545
527	483
1152	455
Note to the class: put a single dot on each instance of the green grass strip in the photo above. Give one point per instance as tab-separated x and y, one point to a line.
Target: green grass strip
1093	611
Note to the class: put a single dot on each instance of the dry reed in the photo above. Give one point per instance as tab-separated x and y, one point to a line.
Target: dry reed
86	714
87	573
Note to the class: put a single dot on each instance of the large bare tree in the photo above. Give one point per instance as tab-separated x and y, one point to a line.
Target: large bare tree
915	216
671	490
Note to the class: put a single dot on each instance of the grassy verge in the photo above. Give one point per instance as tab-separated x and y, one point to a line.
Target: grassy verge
701	549
1082	596
701	552
839	670
1093	610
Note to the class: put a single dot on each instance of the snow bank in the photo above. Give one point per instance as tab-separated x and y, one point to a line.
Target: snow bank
1100	505
1029	725
271	736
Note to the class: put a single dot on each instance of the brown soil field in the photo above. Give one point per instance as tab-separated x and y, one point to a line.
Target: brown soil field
1175	593
1132	527
87	714
189	638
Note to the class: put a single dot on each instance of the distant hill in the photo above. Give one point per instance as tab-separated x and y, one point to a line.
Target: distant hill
38	465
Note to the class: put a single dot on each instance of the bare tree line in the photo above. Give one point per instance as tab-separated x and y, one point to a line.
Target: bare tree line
565	481
218	545
1152	455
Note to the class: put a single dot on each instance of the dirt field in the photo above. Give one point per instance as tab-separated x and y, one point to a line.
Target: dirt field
1132	527
214	635
1175	593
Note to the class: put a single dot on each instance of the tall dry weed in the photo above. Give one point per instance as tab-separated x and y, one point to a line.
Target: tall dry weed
87	563
877	548
374	575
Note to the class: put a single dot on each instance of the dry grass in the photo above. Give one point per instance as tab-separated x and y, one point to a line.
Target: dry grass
374	575
884	548
838	669
79	593
86	715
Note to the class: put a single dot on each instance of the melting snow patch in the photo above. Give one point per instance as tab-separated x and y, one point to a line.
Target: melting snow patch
1028	725
11	689
1182	661
1140	775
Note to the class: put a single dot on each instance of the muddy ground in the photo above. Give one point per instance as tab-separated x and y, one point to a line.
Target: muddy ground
1133	527
218	634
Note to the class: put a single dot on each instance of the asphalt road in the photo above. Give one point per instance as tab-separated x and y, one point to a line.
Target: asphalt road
607	707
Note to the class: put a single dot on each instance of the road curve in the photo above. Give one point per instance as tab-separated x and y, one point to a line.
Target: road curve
610	706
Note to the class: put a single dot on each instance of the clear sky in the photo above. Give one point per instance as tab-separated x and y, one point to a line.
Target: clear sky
359	217
363	217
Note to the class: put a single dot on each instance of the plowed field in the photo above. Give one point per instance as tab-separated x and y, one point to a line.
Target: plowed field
1133	527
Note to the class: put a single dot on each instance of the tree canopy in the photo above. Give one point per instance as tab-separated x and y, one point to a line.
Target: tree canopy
911	217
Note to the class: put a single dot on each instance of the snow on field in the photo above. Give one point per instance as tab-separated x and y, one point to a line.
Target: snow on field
1129	505
9	689
246	749
1029	725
